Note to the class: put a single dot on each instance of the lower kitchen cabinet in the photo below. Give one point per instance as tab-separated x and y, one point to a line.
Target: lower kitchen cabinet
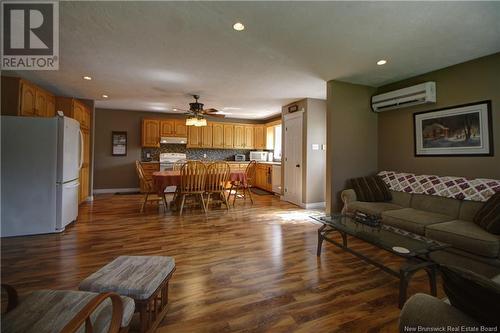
263	177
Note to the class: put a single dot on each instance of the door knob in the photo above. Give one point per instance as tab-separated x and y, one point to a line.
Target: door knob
297	166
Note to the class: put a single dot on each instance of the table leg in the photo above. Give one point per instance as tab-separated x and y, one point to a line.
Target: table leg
431	273
320	239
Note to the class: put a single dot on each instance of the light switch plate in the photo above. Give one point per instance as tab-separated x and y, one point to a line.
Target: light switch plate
315	146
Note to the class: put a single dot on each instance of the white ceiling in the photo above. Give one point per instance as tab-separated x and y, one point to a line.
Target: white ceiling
152	55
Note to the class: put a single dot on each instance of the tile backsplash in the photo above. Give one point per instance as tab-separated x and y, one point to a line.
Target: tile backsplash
196	153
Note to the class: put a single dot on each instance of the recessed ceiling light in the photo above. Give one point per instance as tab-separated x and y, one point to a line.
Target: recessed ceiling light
174	109
238	26
104	96
88	78
381	62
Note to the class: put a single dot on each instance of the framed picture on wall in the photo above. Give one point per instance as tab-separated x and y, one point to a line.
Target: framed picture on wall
119	143
462	130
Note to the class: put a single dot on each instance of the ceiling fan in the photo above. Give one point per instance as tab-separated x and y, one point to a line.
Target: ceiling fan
197	111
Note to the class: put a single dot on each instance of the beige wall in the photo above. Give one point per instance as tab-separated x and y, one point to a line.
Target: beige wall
351	138
117	171
315	162
468	82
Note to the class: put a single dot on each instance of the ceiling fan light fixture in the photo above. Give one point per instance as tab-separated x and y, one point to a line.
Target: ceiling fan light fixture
200	122
190	121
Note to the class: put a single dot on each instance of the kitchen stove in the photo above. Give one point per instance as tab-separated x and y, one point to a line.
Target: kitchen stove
167	160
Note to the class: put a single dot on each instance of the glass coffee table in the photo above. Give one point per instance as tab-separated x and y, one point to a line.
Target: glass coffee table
413	247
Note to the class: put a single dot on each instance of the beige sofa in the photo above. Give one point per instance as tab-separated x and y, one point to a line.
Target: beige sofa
443	219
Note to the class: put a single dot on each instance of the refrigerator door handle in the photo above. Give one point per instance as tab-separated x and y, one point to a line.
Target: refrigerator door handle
72	186
81	149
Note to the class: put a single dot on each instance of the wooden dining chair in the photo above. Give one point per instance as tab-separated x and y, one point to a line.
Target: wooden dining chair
149	189
216	180
193	176
178	165
245	186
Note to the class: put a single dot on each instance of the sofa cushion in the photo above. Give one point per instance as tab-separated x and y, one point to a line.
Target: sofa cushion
435	204
412	220
371	189
50	310
401	198
466	236
468	209
371	208
488	217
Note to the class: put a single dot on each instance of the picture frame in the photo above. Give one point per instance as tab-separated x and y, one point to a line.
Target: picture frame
119	143
461	130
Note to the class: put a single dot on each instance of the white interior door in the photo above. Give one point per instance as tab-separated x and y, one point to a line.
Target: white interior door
293	159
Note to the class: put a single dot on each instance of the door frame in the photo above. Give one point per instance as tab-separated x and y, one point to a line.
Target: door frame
292	116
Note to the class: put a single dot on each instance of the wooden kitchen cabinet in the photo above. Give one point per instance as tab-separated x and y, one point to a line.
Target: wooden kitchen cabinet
249	137
228	136
180	128
51	105
217	135
263	177
207	136
23	98
28	100
194	137
149	168
150	133
260	137
167	127
239	137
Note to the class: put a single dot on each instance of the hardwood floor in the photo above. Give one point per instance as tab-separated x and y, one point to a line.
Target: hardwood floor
253	269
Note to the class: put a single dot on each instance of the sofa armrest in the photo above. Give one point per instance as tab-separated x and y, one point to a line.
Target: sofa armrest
347	197
422	310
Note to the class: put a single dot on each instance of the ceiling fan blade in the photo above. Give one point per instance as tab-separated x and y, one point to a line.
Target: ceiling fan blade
215	115
210	110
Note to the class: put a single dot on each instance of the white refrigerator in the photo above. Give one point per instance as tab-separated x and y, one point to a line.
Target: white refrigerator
40	163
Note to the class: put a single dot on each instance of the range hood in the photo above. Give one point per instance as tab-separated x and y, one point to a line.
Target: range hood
173	140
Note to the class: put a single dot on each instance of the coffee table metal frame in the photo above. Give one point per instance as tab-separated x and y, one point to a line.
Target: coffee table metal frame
406	271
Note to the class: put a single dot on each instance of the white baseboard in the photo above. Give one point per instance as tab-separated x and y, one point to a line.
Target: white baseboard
114	190
313	205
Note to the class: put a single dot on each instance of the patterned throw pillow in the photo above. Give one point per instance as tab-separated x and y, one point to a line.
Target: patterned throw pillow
371	189
488	217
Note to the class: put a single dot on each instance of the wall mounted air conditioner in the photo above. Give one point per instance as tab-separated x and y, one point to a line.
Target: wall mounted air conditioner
414	95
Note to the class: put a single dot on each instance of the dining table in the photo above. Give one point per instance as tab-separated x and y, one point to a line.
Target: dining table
167	178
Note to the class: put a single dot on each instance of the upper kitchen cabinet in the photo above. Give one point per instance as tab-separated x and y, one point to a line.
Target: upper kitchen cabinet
180	128
217	135
167	128
173	127
75	109
194	137
23	98
207	136
228	136
150	133
248	142
260	137
239	137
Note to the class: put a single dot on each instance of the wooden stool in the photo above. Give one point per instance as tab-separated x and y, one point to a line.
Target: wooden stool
142	278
